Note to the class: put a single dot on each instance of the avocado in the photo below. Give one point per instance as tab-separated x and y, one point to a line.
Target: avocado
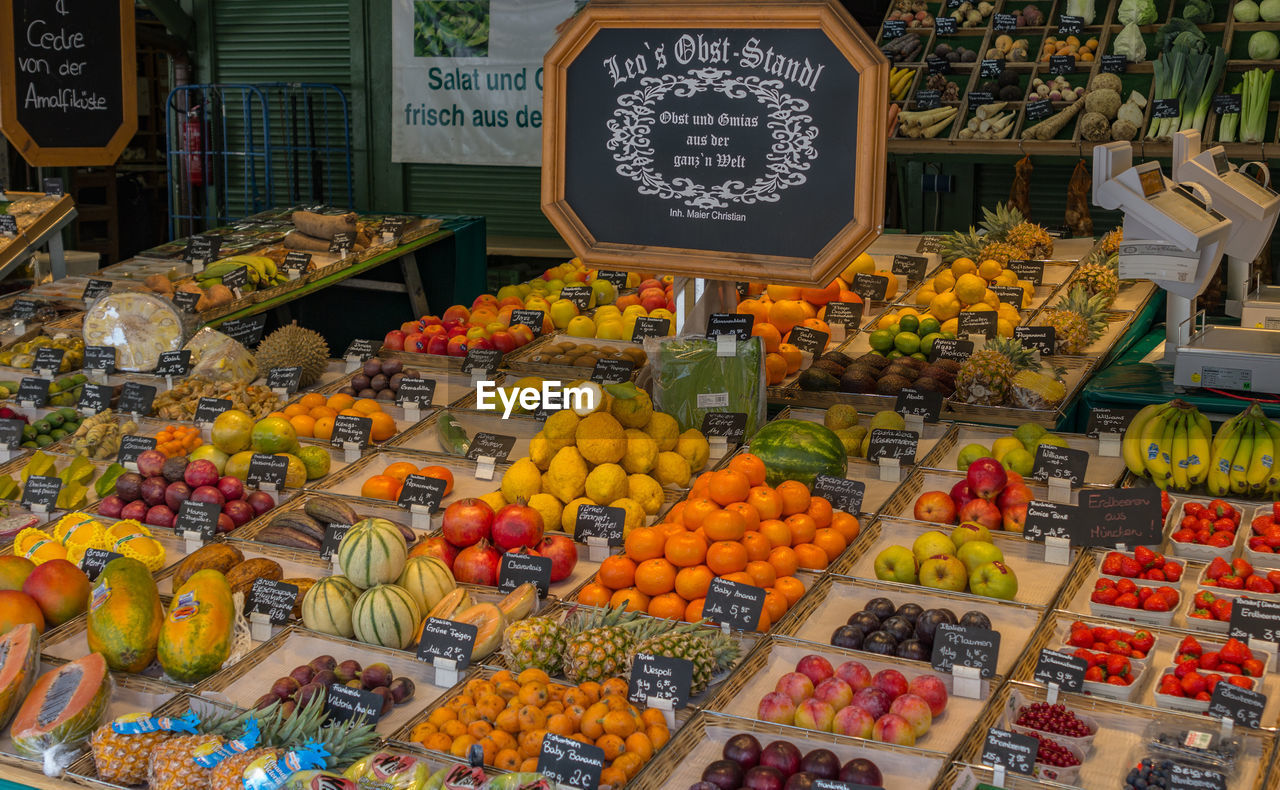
818	380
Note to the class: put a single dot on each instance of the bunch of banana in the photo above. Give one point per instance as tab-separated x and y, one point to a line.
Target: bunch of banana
900	83
1169	442
1244	454
99	436
262	272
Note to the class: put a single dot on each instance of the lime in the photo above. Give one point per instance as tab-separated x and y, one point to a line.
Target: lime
909	323
894	354
920	357
949	335
926	342
881	340
907	342
929	325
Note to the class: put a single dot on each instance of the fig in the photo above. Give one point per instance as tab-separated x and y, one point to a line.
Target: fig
376	676
285	687
303	674
320	663
401	689
348	670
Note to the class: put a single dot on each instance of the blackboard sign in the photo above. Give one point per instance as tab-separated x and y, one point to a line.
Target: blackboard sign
344	703
68	75
267	469
1124	515
33	390
41	491
25	309
136	398
1067	671
1070	25
360	349
1227	103
348	429
343	242
174	363
95	288
1032	271
1014	751
1255	619
94	560
1038	110
273	598
208	409
237	278
569	762
739	324
1244	706
48	359
1009	294
1041	338
871	287
11	433
968	646
481	359
8	225
1115	64
945	25
647	326
938	64
530	318
1194	777
202	248
1060	462
808	339
661	677
599	521
421	490
928	100
1109	420
1062	64
286	379
295	261
925	403
132	446
100	358
1004	22
447	639
950	348
612	371
580	295
843	494
887	443
739	605
848	314
991	67
973	322
1049	520
95	398
893	28
617	278
516	569
732	425
978	98
414	390
333	535
186	301
913	267
1165	108
491	445
199	517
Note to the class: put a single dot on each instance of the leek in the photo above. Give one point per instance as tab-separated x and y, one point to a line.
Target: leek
1255	102
1200	109
1227	123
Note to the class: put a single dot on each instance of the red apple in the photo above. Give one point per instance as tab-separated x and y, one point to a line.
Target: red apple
1014	494
1015	518
479	342
986	477
438	344
394	340
456	313
504	341
961	494
457	346
935	506
415	343
982	512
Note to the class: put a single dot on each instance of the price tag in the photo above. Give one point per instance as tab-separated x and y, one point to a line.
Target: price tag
136	398
94	560
344	241
273	598
48	360
967	646
1062	64
938	65
186	301
174	363
8	225
53	186
516	569
360	350
1038	110
132	446
208	409
33	390
1064	670
530	318
991	67
945	25
1165	108
843	494
448	640
922	403
425	492
736	324
392	226
1227	104
202	250
846	314
333	535
1070	25
1010	749
41	492
913	267
286	379
661	677
11	433
95	288
977	323
617	278
1028	270
950	348
580	295
808	339
734	604
1062	463
978	98
95	398
1254	619
1040	338
1109	420
1123	515
569	762
732	425
267	470
237	278
612	371
25	309
481	360
871	287
886	443
491	445
1004	22
1115	64
199	517
893	28
599	521
349	430
100	358
1241	705
1009	294
295	264
1049	520
647	326
344	703
1191	777
420	392
927	100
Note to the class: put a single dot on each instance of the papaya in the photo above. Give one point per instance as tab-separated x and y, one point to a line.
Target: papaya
66	705
125	616
19	662
195	638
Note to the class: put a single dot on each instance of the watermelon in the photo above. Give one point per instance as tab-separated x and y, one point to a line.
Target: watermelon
386	615
427	579
63	710
19	662
372	552
799	450
327	606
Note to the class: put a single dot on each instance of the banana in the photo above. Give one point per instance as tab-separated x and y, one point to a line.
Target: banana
1225	444
1158	438
1132	448
1263	457
1240	463
1197	448
1152	432
1179	480
1272	483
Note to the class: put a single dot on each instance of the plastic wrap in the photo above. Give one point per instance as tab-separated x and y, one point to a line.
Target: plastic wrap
1079	195
216	357
138	326
390	771
1205	746
690	379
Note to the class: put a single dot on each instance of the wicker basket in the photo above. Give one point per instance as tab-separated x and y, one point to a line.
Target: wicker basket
1101	470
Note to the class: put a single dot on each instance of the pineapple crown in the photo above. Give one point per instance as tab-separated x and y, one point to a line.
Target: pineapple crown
999	222
581	619
1092	308
1013	349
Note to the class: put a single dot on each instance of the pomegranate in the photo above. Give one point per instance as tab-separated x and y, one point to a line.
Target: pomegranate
478	564
467	522
437	547
517	525
563	554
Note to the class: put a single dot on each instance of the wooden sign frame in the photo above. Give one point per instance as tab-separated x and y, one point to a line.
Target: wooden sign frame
868	190
41	156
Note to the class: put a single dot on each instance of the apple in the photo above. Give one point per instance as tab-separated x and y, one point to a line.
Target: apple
932	690
816	668
961	493
855	673
777	708
968	531
986	477
944	572
994	580
834	692
457	346
935	506
1014	494
504	341
814	714
932	544
873	701
978	552
980	511
854	721
394	340
437	344
1014	518
892	728
896	564
479	342
796	685
891	682
915	711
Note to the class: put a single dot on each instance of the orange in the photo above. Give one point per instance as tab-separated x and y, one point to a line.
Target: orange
351	413
821	296
726	556
696	510
786	313
756	307
693	582
685	550
439	473
769	333
311	400
749	465
594	594
775	603
740	577
793	355
724	525
340	401
381	487
757	546
619	723
777	532
279	414
400	470
676	513
762	573
728	485
784	561
802	528
846	524
820	511
816	324
831	542
638	744
775	369
644	543
303	424
765	622
321	412
810	556
632	599
294	410
749	515
383	426
668	606
655	577
795	497
698	489
693	613
767	501
367	406
616	572
613	777
507	759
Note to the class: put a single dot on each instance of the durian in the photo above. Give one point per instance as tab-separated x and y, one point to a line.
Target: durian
291	346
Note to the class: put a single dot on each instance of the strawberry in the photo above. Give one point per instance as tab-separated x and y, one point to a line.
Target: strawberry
1106	633
1145	557
1142	640
1080	637
1210	680
1203	697
1241	567
1241	681
1275	508
1274	578
1210	660
1190	646
1235	652
1118	680
1169	594
1130	568
1171	685
1156	603
1095	674
1218	567
1184	536
1259	584
1144	593
1231	582
1217	508
1221	609
1119	647
1184	668
1118	665
1193	684
1106	595
1111	563
1221	540
1155	575
1172	571
1252	668
1127	601
1230	669
1193	509
1166	503
1126	586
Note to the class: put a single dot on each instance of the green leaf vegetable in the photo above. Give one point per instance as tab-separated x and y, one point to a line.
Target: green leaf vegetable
1137	12
1081	8
1198	11
1227	124
1180	32
1129	42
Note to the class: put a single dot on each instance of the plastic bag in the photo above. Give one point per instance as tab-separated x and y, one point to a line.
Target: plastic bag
389	771
690	379
1079	195
217	357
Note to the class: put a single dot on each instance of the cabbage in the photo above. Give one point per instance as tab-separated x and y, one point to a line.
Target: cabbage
1084	9
1130	44
1245	11
1138	12
1198	11
1270	10
1263	45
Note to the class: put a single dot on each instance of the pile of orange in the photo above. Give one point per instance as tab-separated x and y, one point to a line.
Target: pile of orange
733	526
777	309
313	414
176	440
388	484
509	715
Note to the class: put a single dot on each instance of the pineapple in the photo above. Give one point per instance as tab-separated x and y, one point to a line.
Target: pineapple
1036	390
1077	321
598	644
1000	252
998	223
709	652
984	378
122	759
1033	240
1110	243
536	642
171	763
961	245
1100	275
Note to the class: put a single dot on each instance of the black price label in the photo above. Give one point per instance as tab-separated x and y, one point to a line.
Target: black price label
1014	751
48	358
33	390
1038	110
415	390
950	348
647	326
1041	338
1032	271
361	349
1124	515
617	278
344	241
871	287
1049	520
732	425
1067	671
95	288
808	339
95	398
348	429
1070	25
286	379
344	703
94	560
1062	64
485	360
1004	22
1244	706
1227	104
1165	108
333	535
203	249
843	494
1060	462
516	569
739	324
8	225
273	598
53	186
132	446
979	98
11	433
100	358
41	491
599	521
1253	619
236	278
174	363
886	443
1115	64
938	65
580	295
25	309
393	226
530	318
448	640
847	314
945	25
913	267
928	100
1109	420
991	67
1009	294
296	262
422	490
893	28
929	244
966	646
267	469
612	371
208	409
569	762
490	445
739	605
199	517
925	403
978	323
1191	777
186	301
661	677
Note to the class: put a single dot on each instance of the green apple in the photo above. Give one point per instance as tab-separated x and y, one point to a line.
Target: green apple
994	580
976	553
970	453
1001	447
1019	461
1029	434
932	544
944	573
969	530
896	564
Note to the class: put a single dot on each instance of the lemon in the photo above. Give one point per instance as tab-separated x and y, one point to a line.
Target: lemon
945	306
606	483
672	470
580	326
495	500
970	288
540	451
600	439
989	270
566	477
569	515
944	281
963	266
635	514
647	491
632	412
560	426
548	507
925	295
693	448
664	429
642	452
316	460
522	480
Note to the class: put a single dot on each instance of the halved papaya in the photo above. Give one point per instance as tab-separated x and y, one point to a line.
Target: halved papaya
63	710
19	660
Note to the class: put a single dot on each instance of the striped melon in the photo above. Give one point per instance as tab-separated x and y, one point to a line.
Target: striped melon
328	604
428	580
386	615
372	552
